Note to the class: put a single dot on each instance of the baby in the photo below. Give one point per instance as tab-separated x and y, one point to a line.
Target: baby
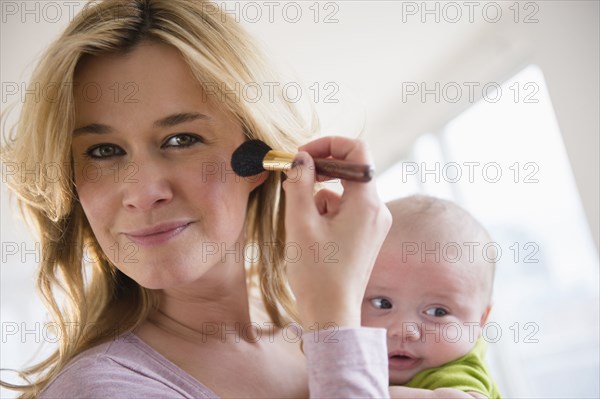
431	289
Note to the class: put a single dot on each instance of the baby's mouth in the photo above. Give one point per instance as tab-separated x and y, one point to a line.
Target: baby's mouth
403	361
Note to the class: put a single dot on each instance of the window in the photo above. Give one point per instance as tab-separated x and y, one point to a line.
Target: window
503	160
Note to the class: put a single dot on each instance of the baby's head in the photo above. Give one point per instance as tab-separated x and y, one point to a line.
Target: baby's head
431	285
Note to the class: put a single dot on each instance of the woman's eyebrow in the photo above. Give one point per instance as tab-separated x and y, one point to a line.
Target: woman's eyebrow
168	121
178	118
92	128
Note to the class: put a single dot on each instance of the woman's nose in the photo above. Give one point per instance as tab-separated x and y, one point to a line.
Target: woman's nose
146	185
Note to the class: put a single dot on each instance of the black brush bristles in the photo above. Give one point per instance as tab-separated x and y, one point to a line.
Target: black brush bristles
247	159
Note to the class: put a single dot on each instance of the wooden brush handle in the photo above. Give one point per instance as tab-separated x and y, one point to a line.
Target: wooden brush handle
344	170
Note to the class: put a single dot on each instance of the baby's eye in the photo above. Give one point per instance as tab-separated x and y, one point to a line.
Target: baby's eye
104	151
381	303
436	312
182	140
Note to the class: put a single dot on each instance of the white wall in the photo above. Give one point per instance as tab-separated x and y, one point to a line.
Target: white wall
564	43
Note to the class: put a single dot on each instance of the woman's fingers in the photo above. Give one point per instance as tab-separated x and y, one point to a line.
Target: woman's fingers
338	147
350	150
328	202
299	187
329	286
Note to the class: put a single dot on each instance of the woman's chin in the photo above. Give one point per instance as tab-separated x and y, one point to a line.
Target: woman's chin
163	279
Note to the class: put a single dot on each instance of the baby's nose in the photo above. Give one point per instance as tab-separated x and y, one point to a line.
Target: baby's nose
407	331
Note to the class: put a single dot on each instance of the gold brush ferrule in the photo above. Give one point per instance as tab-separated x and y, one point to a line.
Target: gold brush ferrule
278	160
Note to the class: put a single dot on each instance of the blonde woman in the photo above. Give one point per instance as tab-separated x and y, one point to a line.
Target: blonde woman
147	230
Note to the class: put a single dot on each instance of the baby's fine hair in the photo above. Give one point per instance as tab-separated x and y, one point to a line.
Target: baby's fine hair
437	217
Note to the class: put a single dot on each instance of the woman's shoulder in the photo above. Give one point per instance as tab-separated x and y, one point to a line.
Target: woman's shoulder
123	368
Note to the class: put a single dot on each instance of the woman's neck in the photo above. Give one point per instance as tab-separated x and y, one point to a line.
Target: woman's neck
214	306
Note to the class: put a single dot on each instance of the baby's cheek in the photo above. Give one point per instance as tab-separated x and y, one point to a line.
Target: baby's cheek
367	318
460	338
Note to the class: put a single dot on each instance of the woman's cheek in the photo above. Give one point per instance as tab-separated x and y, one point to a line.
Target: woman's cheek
98	196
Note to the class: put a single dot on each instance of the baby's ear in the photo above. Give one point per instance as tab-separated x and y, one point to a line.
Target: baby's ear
485	315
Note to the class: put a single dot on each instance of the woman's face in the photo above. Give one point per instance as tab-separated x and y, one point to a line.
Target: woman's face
152	167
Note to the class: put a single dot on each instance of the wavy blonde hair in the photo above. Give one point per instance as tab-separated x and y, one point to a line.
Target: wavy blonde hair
221	55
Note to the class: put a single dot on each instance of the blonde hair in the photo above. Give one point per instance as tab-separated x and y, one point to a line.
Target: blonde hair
221	55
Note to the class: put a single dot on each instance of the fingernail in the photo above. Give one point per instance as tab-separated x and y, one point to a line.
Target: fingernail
298	161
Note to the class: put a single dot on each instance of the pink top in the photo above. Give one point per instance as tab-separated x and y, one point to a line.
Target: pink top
352	363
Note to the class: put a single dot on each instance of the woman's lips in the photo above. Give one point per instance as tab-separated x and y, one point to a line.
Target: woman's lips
157	235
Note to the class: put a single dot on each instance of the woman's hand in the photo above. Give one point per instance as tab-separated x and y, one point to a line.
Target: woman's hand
339	236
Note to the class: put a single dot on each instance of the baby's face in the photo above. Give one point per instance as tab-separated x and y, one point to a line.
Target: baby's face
433	311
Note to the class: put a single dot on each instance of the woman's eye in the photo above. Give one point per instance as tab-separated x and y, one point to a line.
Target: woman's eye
436	312
381	303
103	151
182	140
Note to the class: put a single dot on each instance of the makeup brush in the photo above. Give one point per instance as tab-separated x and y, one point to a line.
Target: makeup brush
255	156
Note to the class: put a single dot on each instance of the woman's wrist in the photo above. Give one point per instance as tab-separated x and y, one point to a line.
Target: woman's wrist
327	314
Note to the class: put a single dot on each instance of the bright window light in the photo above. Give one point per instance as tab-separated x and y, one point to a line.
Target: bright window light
506	163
